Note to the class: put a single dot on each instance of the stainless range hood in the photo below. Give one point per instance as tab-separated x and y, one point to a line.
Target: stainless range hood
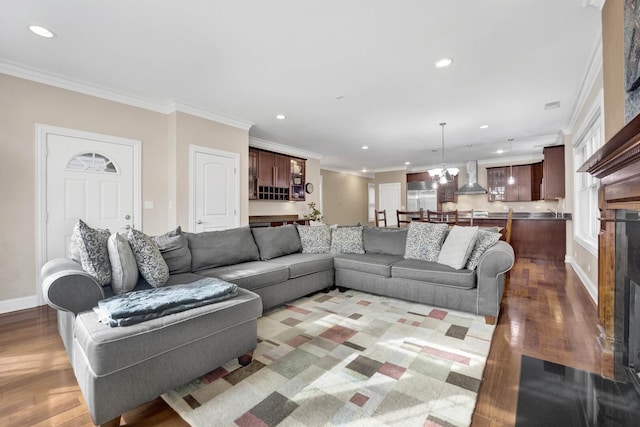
472	186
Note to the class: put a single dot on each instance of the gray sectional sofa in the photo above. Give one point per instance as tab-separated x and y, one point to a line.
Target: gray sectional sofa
120	368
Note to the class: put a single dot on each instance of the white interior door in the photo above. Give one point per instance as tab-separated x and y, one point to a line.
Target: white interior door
214	189
390	199
91	177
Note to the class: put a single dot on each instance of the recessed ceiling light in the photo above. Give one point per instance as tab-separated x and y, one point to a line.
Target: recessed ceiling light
364	147
444	62
500	151
281	117
41	31
364	170
407	163
484	126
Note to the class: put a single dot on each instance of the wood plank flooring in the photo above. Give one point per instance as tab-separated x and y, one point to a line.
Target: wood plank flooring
546	313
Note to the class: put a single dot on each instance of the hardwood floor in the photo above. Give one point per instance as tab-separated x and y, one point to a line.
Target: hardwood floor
546	313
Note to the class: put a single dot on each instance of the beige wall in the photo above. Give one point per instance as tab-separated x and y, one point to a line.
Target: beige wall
613	70
344	198
165	159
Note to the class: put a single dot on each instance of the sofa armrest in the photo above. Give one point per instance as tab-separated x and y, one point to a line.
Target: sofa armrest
65	286
496	261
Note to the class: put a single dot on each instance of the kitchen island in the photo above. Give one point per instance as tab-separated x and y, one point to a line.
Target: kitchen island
534	235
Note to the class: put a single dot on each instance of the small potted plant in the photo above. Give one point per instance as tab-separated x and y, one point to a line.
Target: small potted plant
314	214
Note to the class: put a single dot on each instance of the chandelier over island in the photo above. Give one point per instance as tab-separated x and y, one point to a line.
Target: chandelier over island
443	175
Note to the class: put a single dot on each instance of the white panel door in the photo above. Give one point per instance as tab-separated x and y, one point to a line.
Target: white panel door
390	200
88	179
215	189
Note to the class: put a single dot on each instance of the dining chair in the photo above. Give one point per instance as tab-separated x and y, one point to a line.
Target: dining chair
444	217
507	232
381	217
465	218
406	217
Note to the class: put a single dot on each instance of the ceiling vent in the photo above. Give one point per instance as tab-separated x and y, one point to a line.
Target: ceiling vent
552	105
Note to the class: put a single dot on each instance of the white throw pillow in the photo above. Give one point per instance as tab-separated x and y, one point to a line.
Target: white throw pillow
458	246
124	270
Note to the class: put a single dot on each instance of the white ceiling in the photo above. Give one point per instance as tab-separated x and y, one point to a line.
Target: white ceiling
346	73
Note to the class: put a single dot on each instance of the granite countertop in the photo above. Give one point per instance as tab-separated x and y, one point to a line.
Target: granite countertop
526	215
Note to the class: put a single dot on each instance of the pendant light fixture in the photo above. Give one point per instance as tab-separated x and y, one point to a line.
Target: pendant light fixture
511	179
444	175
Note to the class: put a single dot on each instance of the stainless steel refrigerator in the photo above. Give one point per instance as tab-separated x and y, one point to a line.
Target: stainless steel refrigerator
421	194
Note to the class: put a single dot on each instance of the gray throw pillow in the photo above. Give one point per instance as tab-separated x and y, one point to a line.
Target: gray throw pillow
124	269
424	240
174	248
90	245
149	259
211	249
275	242
347	240
315	239
485	240
387	241
457	246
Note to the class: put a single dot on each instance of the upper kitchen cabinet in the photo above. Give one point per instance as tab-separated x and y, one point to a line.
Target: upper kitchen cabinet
276	176
553	173
418	177
253	174
447	192
526	186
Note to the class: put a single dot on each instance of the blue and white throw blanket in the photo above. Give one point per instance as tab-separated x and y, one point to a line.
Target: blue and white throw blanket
138	306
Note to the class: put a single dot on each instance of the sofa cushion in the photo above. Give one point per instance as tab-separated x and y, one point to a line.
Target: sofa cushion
387	241
377	264
110	349
150	262
89	246
485	240
274	242
212	249
303	264
174	248
424	241
124	269
315	239
347	240
250	275
434	273
458	246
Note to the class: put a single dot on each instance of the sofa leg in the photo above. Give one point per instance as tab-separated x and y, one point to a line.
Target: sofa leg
333	287
342	289
326	290
245	359
112	423
490	320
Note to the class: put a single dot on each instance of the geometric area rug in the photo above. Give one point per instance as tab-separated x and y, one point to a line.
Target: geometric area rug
348	359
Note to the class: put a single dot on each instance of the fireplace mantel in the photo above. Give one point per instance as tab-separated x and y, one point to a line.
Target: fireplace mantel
617	165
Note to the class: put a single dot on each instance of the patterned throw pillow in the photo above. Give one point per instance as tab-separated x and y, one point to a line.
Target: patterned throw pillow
124	270
485	240
424	240
315	239
347	240
91	246
152	266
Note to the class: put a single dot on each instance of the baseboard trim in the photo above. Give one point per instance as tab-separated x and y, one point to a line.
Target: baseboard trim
591	287
16	304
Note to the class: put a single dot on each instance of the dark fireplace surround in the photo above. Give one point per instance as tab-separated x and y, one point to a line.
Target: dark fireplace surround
617	165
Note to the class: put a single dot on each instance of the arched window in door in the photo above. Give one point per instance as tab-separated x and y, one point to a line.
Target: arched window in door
91	162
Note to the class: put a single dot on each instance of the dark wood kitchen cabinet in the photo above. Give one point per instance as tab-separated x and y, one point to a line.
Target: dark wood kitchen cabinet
274	170
253	174
553	173
526	187
274	176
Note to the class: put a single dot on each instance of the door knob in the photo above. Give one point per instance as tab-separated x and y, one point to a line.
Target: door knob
127	217
199	222
127	227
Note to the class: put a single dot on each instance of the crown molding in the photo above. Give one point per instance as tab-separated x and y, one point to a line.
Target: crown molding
281	148
349	172
103	92
177	106
588	81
